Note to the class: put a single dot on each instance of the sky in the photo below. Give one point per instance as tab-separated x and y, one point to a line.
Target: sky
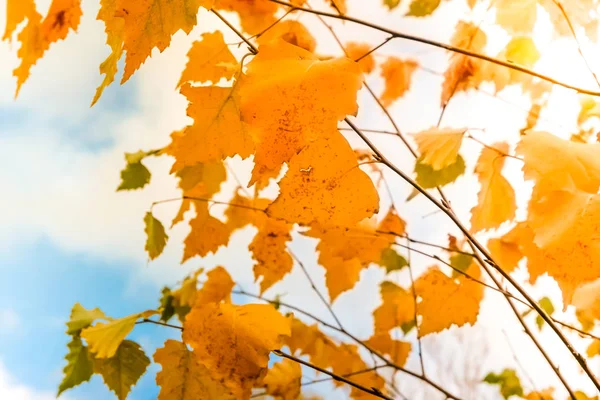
67	236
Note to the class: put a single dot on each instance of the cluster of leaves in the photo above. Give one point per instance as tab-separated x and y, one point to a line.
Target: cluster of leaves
281	104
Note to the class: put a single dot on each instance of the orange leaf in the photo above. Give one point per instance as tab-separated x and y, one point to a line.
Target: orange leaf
209	59
217	287
396	309
255	15
269	249
283	380
207	234
397	350
293	32
357	50
397	74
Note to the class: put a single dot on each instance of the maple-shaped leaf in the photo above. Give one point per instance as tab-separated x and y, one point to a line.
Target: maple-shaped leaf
269	250
122	371
383	343
255	16
308	340
324	184
422	8
347	360
150	24
362	53
115	29
290	98
183	378
446	301
243	210
516	16
79	366
156	238
207	234
209	59
293	32
283	380
233	342
37	36
135	175
217	132
104	339
217	287
397	74
439	147
429	178
496	202
397	308
509	382
82	318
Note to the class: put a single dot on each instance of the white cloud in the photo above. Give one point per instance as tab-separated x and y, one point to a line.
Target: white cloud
10	321
11	389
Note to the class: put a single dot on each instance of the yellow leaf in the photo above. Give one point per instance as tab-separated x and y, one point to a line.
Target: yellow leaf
183	377
217	287
156	238
290	98
82	318
506	249
207	234
496	200
209	59
356	51
115	28
396	309
579	395
269	250
17	11
347	360
340	5
293	32
283	380
186	294
104	338
255	15
439	147
593	349
516	16
546	394
397	350
324	184
150	24
397	74
446	301
233	342
217	131
310	341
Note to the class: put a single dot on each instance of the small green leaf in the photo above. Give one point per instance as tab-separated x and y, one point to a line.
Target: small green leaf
82	318
156	236
79	366
408	326
422	8
391	4
124	369
429	178
135	175
509	382
167	309
546	305
392	261
460	262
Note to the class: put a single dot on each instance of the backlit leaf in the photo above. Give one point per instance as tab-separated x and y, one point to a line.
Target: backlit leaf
516	16
217	287
509	382
439	147
122	371
283	380
79	366
207	234
183	377
233	342
361	52
209	59
397	308
422	8
397	350
156	238
82	318
429	178
293	32
397	74
546	305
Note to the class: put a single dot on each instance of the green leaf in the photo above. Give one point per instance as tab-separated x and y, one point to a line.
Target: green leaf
82	318
167	309
408	326
429	178
422	8
156	236
79	366
392	261
391	4
546	305
461	262
135	175
124	369
509	382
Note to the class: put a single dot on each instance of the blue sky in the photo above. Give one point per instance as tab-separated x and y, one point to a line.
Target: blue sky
66	236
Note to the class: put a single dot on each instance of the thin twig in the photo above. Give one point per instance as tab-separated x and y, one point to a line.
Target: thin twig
414	293
150	321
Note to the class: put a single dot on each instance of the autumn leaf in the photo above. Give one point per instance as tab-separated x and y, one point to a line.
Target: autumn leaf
446	301
105	338
269	250
429	178
516	16
397	350
79	366
156	238
183	377
185	296
392	261
496	200
509	382
290	98
439	147
122	371
396	309
391	4
217	287
233	342
546	394
255	16
546	304
207	234
293	32
283	380
17	11
422	8
362	53
324	184
209	59
397	74
506	249
135	175
82	318
310	341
